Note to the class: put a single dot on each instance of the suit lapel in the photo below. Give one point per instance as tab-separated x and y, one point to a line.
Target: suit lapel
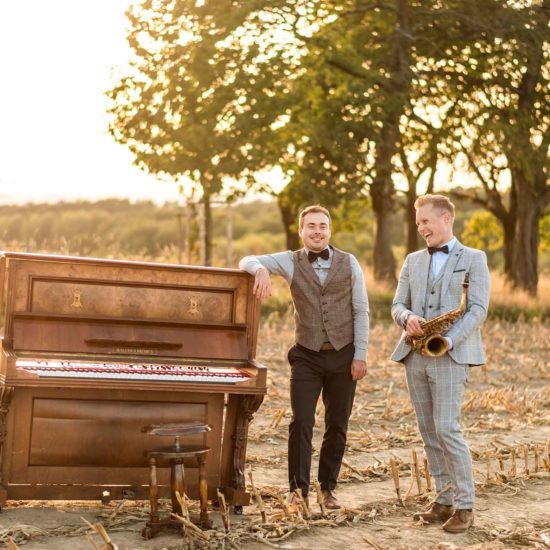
450	265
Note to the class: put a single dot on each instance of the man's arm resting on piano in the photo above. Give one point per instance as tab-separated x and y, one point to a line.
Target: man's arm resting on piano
262	266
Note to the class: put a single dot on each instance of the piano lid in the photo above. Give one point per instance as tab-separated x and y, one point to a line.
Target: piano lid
67	305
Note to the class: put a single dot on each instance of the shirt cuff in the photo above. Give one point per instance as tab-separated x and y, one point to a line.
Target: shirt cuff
449	341
360	354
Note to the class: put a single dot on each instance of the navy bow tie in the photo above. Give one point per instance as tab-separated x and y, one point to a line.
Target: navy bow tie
433	249
312	256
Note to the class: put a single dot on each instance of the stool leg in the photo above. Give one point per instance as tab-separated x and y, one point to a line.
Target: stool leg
203	490
153	490
177	483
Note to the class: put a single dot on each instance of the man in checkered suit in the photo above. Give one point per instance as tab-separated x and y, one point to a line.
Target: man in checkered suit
430	284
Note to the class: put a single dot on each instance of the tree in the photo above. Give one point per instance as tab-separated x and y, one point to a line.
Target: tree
496	77
170	106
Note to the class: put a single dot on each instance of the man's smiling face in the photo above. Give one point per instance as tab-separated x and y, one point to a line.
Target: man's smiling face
315	231
434	225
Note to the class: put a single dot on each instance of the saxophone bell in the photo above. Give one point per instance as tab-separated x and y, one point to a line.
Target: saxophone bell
435	346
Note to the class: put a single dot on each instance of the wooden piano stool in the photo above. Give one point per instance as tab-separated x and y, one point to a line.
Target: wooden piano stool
175	456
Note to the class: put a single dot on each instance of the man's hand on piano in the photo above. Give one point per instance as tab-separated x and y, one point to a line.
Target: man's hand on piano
262	284
358	369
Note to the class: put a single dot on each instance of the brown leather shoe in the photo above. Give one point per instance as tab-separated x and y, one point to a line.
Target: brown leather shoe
329	500
460	521
437	512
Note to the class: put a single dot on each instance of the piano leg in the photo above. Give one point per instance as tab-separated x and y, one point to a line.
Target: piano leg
6	393
241	409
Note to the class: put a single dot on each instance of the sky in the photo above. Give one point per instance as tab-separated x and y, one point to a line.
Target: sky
56	61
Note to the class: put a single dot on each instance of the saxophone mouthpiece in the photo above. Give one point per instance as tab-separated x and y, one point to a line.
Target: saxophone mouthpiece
466	281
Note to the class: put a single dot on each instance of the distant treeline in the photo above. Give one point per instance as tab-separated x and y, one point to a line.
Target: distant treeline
118	228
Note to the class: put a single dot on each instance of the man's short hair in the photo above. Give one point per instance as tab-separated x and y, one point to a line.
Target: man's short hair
315	208
442	203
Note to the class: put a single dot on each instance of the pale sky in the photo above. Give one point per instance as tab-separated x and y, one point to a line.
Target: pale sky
56	61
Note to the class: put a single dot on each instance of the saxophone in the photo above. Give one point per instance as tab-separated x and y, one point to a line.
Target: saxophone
432	343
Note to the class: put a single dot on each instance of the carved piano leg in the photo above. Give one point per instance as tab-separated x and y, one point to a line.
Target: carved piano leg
6	393
237	494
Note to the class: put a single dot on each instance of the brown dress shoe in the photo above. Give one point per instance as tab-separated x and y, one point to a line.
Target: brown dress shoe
329	500
437	512
461	521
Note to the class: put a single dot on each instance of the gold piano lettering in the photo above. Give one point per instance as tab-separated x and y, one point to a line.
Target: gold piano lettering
194	305
76	298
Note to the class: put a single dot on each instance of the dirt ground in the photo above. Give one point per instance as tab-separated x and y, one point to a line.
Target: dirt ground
506	420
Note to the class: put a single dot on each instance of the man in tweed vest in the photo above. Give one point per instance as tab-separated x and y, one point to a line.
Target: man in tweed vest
430	284
330	354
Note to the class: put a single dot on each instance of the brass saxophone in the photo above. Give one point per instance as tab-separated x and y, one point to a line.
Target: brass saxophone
432	343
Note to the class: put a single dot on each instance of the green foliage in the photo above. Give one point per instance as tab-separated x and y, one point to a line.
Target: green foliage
483	231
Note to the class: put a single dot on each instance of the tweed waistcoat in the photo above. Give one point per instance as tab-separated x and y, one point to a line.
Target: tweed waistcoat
322	312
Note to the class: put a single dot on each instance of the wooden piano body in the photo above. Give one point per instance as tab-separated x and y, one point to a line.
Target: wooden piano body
93	350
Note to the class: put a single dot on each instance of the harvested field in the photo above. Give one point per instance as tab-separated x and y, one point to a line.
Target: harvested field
507	423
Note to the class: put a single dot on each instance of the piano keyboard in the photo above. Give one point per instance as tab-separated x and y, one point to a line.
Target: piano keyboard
132	371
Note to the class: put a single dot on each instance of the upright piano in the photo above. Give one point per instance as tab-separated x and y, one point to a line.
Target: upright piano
94	349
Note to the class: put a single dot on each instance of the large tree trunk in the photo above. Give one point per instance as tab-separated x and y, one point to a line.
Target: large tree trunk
382	189
412	230
524	268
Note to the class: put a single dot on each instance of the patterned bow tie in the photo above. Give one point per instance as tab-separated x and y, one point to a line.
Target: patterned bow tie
312	256
433	249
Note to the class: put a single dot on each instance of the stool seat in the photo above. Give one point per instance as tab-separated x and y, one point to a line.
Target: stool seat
175	456
177	429
171	453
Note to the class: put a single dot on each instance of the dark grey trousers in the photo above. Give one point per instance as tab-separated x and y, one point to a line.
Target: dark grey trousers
314	373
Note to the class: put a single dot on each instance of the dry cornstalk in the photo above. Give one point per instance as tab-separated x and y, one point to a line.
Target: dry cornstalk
526	458
513	469
223	511
320	500
416	471
389	401
11	545
283	505
395	475
279	415
190	528
300	498
372	543
258	497
536	453
501	464
488	467
183	504
100	530
352	468
409	490
427	475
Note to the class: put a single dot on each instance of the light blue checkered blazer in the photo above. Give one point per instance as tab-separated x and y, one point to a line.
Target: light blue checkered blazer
410	297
